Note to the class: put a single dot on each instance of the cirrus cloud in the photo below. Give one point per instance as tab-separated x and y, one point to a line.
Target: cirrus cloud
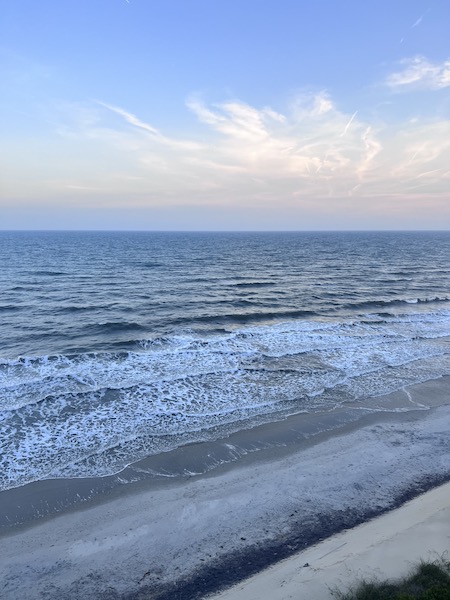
420	73
312	158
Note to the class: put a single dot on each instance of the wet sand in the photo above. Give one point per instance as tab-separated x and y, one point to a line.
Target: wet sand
171	533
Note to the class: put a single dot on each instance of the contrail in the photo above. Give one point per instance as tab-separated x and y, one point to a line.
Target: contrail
416	23
414	155
349	123
427	173
420	19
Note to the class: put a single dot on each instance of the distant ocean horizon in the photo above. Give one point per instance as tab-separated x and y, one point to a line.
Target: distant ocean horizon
120	345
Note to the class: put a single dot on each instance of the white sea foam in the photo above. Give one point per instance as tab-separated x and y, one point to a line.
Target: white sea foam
93	413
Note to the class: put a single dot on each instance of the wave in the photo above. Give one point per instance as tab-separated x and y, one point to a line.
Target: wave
395	302
75	309
10	308
49	273
372	340
115	326
236	317
85	414
253	284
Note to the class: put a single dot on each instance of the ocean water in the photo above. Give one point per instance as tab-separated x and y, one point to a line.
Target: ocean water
115	346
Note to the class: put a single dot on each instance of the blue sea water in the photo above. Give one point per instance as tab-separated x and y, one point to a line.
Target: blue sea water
117	345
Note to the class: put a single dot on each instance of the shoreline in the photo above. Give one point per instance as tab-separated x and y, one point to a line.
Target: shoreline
38	501
187	536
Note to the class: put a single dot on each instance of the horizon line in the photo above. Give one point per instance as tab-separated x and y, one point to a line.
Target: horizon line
63	230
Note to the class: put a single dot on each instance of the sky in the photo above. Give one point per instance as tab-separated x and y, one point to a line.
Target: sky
224	114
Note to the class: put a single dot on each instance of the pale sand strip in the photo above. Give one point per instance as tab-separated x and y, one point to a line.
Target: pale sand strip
386	547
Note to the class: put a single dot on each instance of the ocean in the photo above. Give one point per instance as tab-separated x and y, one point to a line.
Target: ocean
117	346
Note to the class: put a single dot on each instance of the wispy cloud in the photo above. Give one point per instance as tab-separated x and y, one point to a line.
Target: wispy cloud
239	156
152	131
269	146
312	150
420	73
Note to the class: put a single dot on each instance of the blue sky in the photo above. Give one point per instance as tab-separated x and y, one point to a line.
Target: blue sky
225	114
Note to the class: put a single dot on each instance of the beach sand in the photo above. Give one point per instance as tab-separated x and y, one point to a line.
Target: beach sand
189	536
387	547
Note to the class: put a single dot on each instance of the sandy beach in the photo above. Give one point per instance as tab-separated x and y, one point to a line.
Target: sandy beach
385	548
190	536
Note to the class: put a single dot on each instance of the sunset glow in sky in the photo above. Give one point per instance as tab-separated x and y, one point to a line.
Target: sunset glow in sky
225	114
